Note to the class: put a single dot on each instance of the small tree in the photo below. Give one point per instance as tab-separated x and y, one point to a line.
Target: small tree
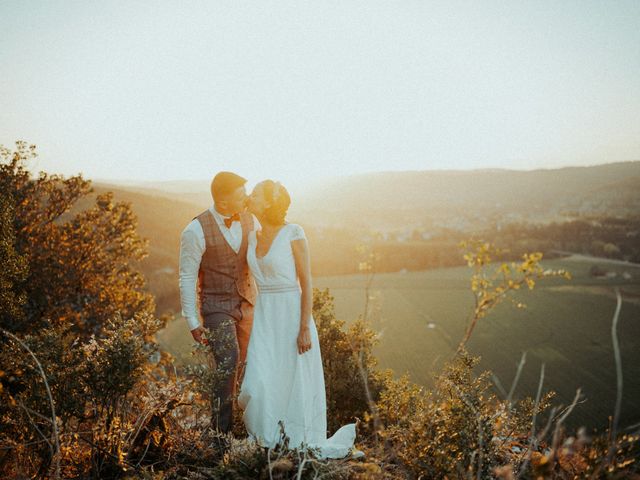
81	266
76	325
492	287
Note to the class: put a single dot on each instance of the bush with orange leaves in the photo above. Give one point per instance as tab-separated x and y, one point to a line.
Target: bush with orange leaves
76	325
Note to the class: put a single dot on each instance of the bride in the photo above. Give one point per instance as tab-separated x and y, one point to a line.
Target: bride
284	379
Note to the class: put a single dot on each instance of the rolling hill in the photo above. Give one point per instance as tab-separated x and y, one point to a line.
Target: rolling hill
422	314
391	200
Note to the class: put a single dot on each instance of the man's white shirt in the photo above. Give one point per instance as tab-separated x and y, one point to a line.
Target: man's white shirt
192	247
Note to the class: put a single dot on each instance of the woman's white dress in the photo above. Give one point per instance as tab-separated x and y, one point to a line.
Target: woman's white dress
279	383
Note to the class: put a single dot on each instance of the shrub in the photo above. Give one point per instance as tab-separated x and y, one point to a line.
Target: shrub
76	326
352	381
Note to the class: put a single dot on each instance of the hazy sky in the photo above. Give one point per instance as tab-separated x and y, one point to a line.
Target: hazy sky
300	90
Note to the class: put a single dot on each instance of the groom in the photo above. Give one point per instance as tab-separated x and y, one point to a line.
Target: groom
213	256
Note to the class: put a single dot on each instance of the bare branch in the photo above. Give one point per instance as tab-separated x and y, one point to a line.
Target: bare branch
618	359
532	438
54	423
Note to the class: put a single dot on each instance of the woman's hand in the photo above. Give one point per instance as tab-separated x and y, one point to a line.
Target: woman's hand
304	340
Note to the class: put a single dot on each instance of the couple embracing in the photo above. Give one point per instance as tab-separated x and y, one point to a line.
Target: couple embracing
266	340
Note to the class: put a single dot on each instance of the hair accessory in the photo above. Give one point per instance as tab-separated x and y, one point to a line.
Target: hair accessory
276	190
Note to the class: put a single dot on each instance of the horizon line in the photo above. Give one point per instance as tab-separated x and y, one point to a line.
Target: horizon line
380	172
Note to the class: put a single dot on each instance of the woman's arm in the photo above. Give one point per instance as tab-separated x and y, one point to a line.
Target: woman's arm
303	270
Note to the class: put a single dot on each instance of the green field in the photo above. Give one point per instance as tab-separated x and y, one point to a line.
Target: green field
567	325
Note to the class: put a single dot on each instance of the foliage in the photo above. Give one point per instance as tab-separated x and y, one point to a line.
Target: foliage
80	398
348	364
453	429
489	289
71	290
81	267
208	377
461	430
14	265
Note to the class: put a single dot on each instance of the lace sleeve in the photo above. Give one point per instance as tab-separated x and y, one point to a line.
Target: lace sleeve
297	232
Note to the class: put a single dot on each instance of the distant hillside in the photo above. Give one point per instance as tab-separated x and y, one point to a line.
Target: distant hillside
455	198
194	192
394	198
338	215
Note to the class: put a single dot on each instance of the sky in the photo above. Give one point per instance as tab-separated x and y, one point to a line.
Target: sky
303	90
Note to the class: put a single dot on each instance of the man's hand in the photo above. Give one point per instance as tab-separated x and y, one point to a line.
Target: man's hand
196	333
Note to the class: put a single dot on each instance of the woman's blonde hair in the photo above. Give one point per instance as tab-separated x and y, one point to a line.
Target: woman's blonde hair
278	197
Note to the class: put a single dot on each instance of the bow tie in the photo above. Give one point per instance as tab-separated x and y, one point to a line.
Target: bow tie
233	218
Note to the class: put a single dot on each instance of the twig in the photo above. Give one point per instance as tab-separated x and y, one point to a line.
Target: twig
367	290
523	359
544	431
479	421
54	423
532	438
631	427
511	392
301	466
26	410
108	453
498	384
269	464
556	430
35	442
145	452
364	375
564	413
616	353
37	414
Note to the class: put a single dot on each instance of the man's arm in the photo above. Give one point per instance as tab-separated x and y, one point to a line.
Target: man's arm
192	247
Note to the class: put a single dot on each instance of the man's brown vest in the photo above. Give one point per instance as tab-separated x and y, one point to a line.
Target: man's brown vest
224	279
